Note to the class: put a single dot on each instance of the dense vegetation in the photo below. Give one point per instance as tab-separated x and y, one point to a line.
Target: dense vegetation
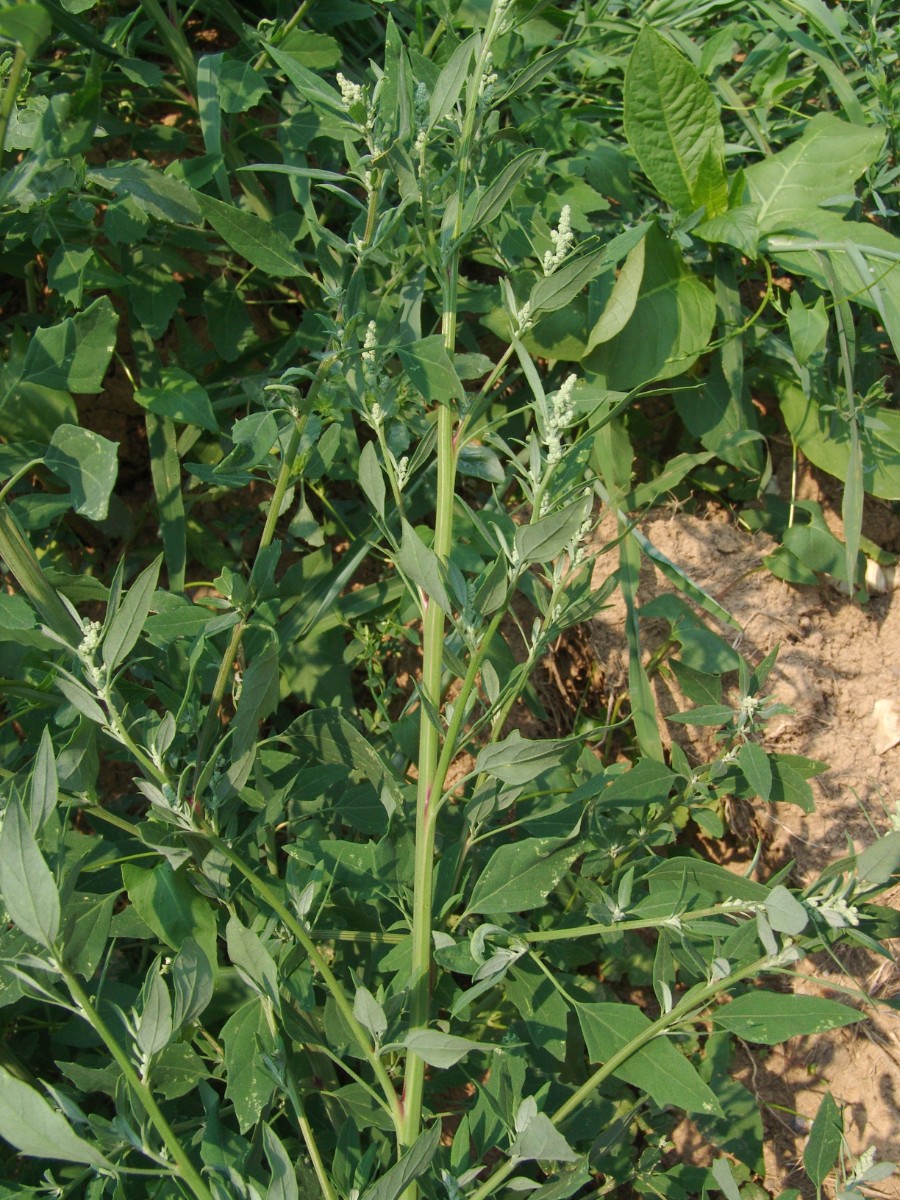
328	340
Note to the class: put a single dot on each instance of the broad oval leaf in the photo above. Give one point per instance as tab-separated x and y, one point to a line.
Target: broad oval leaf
28	887
29	1123
522	875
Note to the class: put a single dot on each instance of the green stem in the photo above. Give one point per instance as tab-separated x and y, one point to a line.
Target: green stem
265	892
309	1138
140	1090
175	43
8	100
599	929
428	788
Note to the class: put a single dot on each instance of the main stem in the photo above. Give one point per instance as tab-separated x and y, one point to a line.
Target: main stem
429	783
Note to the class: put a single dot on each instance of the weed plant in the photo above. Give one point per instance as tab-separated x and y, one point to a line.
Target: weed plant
298	904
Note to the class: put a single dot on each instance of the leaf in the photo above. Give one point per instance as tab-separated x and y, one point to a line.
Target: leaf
879	862
770	1017
785	912
252	959
542	1140
29	890
125	627
517	760
823	163
151	190
808	327
672	125
29	1123
27	24
546	538
521	876
240	86
371	479
754	762
648	782
283	1181
438	1049
369	1013
449	83
430	370
262	244
411	1166
74	354
669	328
44	791
87	924
700	687
154	1028
88	463
421	566
824	1142
551	292
249	1086
81	699
181	398
177	1071
165	900
657	1068
707	877
192	983
488	206
721	1169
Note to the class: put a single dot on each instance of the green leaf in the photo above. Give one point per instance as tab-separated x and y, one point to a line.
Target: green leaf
65	272
283	1181
824	1142
789	775
165	900
411	1166
125	627
73	355
822	164
488	206
770	1017
88	463
181	398
192	983
81	699
369	1013
517	760
262	244
521	876
177	1071
657	1068
29	1123
154	1029
28	888
721	1170
546	538
449	83
709	878
154	193
27	24
700	687
240	86
43	793
312	49
438	1049
669	328
87	923
672	125
249	1084
371	479
808	327
879	862
648	782
542	1140
824	437
252	959
430	370
785	912
551	292
421	566
754	762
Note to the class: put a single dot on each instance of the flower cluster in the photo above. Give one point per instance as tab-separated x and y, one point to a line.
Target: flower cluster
563	240
560	415
351	93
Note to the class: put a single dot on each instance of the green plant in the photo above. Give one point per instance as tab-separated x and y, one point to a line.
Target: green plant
282	922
